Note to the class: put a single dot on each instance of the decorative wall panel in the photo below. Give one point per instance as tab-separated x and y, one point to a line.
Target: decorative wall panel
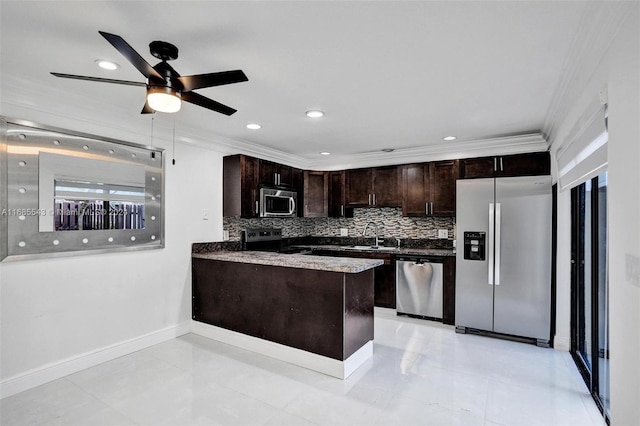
66	192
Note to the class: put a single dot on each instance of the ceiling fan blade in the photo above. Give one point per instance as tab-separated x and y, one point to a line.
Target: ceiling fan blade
205	102
193	82
131	55
146	109
98	79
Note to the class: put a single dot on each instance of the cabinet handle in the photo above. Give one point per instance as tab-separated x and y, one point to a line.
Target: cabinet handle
426	209
495	164
369	200
374	199
256	207
341	209
501	165
431	207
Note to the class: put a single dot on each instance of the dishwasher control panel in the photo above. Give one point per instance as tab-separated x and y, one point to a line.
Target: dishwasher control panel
474	245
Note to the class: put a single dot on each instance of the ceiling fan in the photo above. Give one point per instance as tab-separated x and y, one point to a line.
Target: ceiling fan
166	89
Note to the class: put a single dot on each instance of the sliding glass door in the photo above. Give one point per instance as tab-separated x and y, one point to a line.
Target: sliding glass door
589	287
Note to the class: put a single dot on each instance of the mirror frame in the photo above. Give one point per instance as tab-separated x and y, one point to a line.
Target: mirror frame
21	143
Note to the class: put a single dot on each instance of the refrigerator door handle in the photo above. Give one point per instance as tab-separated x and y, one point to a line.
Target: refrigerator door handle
490	248
497	244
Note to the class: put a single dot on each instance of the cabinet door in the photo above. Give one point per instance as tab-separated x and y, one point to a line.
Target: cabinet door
285	175
315	194
384	286
336	194
239	186
442	194
449	291
358	191
298	186
268	170
250	191
385	188
471	168
529	164
415	189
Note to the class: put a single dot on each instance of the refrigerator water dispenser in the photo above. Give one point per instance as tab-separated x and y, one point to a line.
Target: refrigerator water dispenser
474	245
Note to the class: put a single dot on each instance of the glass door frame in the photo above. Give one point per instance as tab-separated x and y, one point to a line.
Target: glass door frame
591	373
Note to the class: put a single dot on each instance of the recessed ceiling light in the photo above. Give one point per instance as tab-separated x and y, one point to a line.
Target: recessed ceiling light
325	153
314	114
388	150
449	138
253	126
107	65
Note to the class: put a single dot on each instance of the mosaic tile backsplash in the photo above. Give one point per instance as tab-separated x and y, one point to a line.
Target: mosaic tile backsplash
389	221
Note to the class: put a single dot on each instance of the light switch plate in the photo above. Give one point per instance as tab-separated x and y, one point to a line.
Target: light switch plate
443	233
205	214
225	235
344	232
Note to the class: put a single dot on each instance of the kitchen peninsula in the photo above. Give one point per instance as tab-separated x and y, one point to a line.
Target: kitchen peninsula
313	311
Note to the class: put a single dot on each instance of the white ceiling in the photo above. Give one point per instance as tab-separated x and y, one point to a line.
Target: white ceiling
388	74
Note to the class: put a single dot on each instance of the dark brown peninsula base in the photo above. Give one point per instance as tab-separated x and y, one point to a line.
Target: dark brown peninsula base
325	313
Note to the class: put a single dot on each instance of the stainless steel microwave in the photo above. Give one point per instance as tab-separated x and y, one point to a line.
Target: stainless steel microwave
275	202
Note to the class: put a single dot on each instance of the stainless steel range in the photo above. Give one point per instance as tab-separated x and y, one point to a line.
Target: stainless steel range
268	239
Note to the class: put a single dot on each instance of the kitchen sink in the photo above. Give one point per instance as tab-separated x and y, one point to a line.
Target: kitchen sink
381	248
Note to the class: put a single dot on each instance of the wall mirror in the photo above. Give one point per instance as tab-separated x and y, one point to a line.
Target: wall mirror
64	192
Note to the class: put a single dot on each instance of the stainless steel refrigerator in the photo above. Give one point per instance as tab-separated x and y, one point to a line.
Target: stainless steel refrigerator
503	259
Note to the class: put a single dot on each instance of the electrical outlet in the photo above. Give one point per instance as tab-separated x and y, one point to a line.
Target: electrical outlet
443	233
225	235
344	232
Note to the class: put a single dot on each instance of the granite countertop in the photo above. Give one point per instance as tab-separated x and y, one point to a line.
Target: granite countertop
301	261
401	251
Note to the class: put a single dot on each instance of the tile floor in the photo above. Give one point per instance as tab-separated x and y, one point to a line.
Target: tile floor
421	373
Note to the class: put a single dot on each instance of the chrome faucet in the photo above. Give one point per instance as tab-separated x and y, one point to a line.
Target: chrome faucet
375	228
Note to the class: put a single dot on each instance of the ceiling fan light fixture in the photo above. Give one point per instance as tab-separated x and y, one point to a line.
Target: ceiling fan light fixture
164	99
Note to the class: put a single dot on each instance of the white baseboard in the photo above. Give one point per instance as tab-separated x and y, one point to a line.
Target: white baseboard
59	369
322	364
561	343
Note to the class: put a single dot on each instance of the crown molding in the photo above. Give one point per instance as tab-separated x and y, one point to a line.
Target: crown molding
598	27
531	142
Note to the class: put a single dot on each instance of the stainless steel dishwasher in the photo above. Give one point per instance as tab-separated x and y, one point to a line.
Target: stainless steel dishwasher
419	287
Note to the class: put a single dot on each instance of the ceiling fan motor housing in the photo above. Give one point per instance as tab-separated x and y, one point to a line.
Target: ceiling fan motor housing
163	50
170	76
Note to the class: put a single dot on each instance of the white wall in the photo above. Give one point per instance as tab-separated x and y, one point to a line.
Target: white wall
618	71
624	222
58	315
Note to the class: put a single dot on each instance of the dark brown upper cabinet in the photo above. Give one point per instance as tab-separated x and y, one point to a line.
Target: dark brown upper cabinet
373	187
240	191
316	191
429	189
276	174
529	164
336	198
